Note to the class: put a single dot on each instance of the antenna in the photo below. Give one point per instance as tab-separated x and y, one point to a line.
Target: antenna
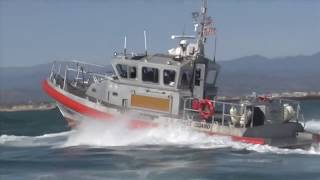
183	37
202	37
125	46
145	42
204	16
183	30
215	48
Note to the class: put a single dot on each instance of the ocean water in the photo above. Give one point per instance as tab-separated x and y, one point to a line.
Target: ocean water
39	145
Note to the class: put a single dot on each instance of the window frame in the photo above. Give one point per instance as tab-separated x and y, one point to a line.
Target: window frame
128	74
147	81
209	76
174	79
197	77
184	86
118	66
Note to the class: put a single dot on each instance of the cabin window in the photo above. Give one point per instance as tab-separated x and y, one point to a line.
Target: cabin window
126	71
169	77
122	70
132	72
150	74
211	77
185	79
197	77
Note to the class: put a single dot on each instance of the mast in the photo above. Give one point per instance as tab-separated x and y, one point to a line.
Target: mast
125	47
202	26
199	20
204	16
215	49
201	66
145	43
205	24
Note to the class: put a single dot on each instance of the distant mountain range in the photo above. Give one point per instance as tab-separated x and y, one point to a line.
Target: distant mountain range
237	77
263	75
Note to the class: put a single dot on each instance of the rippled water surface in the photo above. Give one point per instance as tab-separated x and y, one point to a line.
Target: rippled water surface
38	145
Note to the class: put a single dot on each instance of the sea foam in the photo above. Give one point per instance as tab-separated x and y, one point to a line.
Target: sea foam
313	126
93	133
116	133
53	139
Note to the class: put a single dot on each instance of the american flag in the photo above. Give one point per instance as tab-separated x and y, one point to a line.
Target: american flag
209	30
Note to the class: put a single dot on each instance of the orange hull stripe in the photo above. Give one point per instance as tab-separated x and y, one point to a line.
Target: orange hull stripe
72	104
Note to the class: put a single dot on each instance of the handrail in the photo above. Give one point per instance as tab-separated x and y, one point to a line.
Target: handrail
244	110
225	111
85	63
77	70
68	68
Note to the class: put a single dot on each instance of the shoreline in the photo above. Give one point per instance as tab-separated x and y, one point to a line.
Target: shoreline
291	95
28	107
48	106
298	98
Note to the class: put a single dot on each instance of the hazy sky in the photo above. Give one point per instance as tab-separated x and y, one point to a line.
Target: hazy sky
40	31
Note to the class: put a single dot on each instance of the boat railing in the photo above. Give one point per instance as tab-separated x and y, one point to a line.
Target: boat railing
77	71
222	114
242	114
298	115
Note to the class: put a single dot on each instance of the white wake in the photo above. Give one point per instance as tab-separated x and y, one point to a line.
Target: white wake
115	133
313	126
95	133
53	139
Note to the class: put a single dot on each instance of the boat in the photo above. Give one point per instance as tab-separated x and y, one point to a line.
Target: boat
177	87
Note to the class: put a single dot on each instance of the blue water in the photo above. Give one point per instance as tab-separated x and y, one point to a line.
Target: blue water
39	145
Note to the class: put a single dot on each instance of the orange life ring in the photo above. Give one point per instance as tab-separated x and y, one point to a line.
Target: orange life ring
206	109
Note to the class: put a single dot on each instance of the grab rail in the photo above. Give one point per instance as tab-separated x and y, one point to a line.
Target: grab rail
242	114
82	70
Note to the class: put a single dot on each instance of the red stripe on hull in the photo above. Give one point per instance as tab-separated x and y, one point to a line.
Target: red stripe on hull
87	111
249	140
72	104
